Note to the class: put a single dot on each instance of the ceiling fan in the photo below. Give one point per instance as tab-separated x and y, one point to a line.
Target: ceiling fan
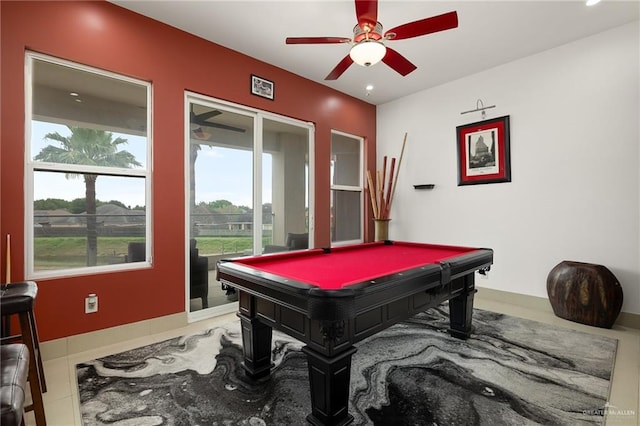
368	39
198	121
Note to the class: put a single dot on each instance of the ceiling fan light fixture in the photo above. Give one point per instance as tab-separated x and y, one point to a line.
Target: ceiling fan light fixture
368	52
200	133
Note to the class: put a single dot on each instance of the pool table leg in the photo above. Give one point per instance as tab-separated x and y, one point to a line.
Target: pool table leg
329	380
461	309
256	345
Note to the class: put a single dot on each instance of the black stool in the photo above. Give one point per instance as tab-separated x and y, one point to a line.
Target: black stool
19	299
14	371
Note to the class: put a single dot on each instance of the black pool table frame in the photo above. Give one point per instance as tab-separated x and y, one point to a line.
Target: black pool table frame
329	322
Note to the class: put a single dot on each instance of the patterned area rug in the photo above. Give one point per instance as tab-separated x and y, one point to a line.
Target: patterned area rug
510	372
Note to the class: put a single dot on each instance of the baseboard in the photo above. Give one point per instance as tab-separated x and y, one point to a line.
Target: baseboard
625	319
78	343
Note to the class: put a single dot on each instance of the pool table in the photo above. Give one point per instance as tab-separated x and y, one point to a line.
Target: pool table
332	298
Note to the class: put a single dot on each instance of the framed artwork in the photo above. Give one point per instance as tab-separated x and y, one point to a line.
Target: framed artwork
483	152
262	87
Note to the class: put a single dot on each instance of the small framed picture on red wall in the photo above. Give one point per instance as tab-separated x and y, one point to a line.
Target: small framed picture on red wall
262	87
484	152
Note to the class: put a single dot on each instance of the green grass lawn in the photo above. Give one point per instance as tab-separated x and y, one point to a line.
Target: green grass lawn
220	245
69	252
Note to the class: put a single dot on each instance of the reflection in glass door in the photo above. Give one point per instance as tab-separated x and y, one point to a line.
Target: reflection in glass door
285	186
226	183
220	197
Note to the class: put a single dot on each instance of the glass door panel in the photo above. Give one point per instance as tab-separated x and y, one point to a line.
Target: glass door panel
221	147
249	191
285	186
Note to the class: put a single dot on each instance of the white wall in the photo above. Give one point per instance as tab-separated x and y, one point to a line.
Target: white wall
575	190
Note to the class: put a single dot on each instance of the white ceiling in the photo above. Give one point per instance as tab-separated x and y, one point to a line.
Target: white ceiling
490	33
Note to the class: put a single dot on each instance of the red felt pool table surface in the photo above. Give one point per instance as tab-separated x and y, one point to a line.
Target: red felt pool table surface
344	266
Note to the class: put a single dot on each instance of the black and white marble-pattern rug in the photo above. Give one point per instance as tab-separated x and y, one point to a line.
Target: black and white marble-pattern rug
510	372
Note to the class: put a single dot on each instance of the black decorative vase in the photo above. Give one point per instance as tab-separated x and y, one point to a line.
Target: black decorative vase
585	293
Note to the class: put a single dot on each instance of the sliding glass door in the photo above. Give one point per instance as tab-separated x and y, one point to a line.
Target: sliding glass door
248	191
285	186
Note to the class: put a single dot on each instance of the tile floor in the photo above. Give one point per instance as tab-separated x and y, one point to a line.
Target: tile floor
61	400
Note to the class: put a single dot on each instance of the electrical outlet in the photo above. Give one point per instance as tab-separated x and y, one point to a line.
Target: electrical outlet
91	304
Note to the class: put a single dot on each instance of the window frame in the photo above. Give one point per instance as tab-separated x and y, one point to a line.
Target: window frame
351	188
32	166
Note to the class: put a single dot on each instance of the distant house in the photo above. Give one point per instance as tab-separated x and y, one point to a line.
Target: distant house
112	220
240	226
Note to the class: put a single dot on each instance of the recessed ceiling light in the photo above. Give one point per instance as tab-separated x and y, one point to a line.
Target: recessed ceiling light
73	94
369	87
592	2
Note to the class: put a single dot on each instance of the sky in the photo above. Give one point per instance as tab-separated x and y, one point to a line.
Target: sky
221	173
226	174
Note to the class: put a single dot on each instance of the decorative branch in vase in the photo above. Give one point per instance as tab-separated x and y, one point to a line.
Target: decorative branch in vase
381	193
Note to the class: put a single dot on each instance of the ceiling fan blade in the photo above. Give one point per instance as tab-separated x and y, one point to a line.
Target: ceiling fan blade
367	13
398	62
425	26
340	68
222	126
316	40
201	120
207	115
202	117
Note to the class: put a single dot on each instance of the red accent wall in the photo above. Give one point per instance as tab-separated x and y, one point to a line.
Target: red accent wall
106	36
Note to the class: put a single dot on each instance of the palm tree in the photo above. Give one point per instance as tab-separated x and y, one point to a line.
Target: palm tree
92	148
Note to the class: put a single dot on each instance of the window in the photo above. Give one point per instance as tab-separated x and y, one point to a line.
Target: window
88	174
346	188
